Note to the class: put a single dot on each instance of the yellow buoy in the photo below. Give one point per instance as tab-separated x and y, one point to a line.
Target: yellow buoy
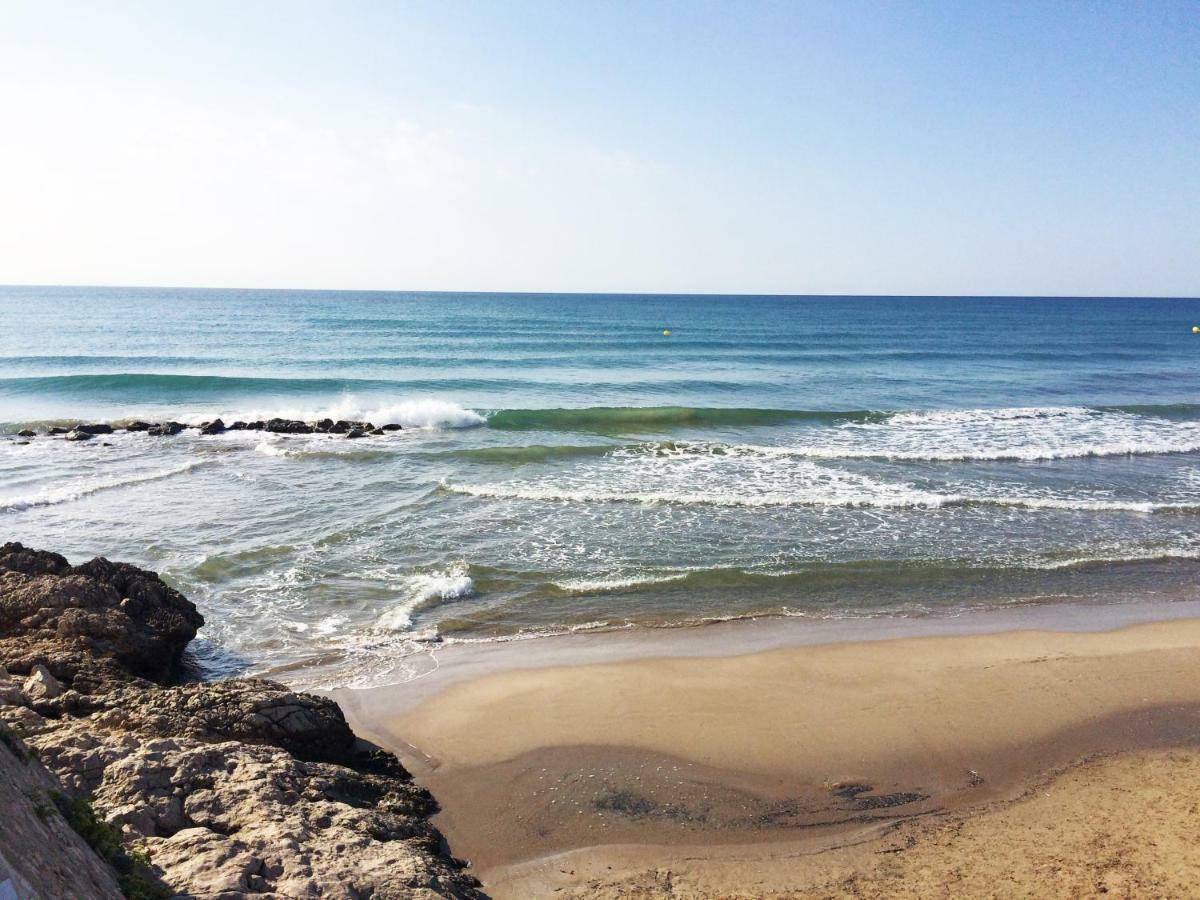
1196	329
667	331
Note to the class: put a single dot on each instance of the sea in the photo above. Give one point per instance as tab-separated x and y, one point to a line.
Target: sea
574	462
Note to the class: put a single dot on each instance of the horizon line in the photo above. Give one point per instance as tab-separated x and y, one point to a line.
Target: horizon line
527	293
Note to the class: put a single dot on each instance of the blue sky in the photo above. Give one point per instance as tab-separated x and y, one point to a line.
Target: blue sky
941	148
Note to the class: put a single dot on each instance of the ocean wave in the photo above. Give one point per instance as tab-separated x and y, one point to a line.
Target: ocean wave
428	412
903	497
77	491
424	589
299	449
626	419
847	495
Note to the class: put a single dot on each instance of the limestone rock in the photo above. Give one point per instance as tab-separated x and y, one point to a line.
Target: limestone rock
234	787
40	855
41	685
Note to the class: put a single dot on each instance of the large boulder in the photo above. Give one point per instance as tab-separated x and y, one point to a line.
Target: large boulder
57	614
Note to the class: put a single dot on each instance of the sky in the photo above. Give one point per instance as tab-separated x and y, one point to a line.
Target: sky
655	146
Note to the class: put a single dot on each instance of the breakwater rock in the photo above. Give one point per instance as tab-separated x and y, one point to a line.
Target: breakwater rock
237	788
85	432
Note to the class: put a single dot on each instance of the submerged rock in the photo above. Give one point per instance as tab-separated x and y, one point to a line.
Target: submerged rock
100	428
77	435
56	429
26	433
216	426
165	429
393	426
138	426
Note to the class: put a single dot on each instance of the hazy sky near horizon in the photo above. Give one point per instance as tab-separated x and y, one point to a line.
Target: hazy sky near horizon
807	147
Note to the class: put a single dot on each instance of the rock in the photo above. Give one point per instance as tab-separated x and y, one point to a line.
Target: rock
26	432
356	433
256	426
378	431
288	426
138	426
216	426
340	427
77	435
165	429
12	695
100	428
238	426
58	614
40	854
56	430
323	425
393	426
41	685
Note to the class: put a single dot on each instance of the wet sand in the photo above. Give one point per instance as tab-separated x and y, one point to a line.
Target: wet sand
793	769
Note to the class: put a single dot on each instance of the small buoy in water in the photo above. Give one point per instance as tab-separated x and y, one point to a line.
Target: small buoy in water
667	331
1196	329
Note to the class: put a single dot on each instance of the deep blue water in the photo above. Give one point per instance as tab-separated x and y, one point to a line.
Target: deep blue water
565	464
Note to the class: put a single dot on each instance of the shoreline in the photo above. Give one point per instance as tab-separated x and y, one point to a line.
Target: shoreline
734	751
449	662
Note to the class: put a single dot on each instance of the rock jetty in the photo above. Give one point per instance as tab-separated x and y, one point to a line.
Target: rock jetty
84	431
117	778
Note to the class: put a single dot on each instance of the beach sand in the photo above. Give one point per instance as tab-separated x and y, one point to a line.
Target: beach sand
1006	764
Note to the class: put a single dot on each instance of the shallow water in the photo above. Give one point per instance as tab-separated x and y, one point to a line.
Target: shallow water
565	465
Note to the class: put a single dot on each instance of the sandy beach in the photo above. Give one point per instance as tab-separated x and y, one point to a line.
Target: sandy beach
1010	763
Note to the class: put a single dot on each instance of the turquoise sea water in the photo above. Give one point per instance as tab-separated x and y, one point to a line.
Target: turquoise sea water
564	465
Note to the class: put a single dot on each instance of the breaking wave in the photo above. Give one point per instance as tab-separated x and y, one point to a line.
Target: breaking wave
77	491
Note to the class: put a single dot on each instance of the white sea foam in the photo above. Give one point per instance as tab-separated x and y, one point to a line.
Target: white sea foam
615	582
419	413
424	589
1019	433
735	480
77	490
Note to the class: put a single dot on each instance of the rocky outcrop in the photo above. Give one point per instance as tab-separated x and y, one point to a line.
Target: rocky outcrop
73	618
239	788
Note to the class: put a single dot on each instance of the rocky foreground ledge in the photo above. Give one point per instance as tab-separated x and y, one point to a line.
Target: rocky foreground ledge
115	780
